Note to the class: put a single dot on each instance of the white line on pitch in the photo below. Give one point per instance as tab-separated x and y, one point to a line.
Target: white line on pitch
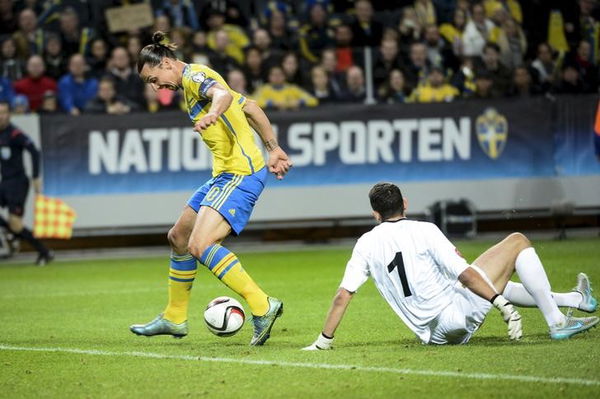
325	366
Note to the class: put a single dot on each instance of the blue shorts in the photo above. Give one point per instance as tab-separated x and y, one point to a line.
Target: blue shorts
233	196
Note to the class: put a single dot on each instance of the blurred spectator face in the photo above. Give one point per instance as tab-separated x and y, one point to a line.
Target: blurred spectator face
6	7
317	15
571	75
35	66
276	76
397	80
584	50
27	20
418	54
221	41
162	23
343	35
20	104
77	66
319	78
261	39
277	21
134	46
120	58
432	35
329	60
510	27
253	59
521	77
364	11
355	78
500	16
49	104
290	64
544	53
389	50
460	18
436	78
69	21
99	49
490	56
483	85
586	6
237	81
199	39
53	46
9	48
106	90
478	13
216	21
4	115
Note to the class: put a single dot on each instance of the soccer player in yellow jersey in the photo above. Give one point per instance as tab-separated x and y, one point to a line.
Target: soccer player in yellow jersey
223	204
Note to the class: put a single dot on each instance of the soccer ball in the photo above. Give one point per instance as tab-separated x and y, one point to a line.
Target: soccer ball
224	316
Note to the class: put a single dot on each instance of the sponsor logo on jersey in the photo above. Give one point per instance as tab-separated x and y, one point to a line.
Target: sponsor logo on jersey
492	132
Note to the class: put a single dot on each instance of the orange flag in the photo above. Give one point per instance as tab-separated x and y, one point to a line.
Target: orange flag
53	218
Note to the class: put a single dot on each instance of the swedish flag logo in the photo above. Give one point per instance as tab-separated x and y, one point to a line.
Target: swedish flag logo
492	132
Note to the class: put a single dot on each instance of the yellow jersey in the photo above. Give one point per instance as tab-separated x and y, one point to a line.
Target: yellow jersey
428	94
230	140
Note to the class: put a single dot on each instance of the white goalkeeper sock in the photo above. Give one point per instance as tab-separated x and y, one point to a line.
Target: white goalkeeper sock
518	295
534	279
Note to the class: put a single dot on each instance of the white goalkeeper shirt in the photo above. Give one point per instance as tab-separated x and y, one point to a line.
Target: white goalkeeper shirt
414	266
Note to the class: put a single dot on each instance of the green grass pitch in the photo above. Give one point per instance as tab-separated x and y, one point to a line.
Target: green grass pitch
64	333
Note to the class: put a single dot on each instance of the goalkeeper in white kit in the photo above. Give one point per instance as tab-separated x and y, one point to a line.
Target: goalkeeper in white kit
437	294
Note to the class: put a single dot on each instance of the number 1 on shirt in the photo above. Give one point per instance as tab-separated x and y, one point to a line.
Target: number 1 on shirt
398	263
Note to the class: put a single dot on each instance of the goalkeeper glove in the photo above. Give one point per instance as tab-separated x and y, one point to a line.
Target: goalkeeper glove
321	343
510	316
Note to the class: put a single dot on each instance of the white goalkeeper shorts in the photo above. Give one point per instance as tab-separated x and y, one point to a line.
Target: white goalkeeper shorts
457	323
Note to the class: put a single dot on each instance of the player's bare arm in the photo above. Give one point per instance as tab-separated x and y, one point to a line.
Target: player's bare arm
340	303
279	162
220	100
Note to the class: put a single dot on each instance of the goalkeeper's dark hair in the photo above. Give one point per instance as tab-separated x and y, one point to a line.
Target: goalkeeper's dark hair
153	54
386	199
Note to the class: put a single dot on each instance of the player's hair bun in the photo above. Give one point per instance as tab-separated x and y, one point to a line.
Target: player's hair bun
158	37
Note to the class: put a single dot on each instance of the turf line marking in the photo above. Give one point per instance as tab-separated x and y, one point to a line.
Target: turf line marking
325	366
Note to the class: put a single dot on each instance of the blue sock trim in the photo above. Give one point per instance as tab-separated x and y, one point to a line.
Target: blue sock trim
227	269
183	262
213	255
182	280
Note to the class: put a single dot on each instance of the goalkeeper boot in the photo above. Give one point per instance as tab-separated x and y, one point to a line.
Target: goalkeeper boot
588	303
263	324
571	326
161	326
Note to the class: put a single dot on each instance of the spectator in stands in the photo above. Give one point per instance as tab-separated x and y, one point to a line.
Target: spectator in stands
54	58
134	46
29	38
238	40
545	67
582	59
161	23
156	101
418	65
20	105
320	87
127	82
181	12
355	86
522	83
426	13
201	53
387	59
262	41
107	101
394	90
74	89
365	30
12	67
182	38
346	55
439	52
453	32
49	104
253	68
36	83
484	86
512	8
316	35
75	38
277	94
8	19
336	79
220	60
291	68
490	62
7	92
570	81
512	43
435	89
237	81
283	39
97	59
409	29
464	78
478	32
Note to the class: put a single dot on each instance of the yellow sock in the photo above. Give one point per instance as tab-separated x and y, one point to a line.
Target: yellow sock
181	277
226	266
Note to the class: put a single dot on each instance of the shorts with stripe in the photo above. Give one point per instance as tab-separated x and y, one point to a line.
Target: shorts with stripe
233	196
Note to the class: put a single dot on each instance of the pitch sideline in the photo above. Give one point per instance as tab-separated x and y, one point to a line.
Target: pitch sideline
325	366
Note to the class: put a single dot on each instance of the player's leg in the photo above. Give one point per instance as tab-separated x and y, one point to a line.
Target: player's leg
16	226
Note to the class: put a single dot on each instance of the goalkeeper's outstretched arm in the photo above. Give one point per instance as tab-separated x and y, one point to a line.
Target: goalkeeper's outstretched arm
334	317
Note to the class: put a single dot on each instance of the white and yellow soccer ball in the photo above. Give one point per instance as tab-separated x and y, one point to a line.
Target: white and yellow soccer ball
224	316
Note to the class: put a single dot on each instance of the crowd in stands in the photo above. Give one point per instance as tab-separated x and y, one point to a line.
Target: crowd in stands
58	56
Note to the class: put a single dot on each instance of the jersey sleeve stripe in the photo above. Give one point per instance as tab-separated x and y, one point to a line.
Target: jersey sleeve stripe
207	84
237	141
